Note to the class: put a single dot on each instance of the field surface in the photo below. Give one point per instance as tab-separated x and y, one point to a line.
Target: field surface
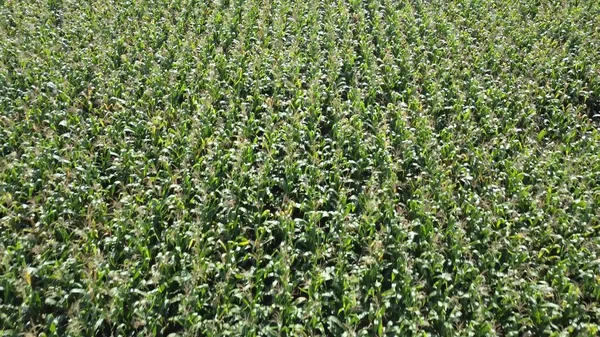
299	168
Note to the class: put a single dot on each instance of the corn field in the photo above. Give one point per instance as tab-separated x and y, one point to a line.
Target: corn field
299	168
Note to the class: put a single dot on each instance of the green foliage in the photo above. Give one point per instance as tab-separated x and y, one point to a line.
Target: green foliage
299	168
